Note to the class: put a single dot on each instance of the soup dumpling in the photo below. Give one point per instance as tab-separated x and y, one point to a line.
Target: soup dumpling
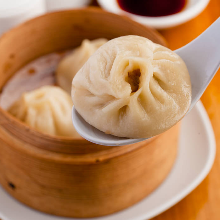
47	109
70	65
132	87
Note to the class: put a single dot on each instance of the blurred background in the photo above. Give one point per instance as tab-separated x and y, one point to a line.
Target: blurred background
160	14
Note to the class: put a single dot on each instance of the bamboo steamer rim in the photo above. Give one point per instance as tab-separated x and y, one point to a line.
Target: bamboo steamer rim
16	125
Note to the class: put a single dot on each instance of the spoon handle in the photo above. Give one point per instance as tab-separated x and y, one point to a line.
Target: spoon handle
202	57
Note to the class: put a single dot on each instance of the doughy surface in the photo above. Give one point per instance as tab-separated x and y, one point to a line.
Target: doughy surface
132	87
47	109
71	64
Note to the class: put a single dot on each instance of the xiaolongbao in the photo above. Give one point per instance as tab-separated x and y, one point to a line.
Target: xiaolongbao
132	87
71	64
47	109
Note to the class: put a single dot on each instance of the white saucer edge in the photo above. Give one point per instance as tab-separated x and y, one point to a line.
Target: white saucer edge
212	145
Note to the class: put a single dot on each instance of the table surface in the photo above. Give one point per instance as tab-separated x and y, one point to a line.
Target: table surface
204	202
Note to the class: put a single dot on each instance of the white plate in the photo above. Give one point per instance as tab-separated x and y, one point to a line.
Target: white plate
56	5
14	12
191	10
194	161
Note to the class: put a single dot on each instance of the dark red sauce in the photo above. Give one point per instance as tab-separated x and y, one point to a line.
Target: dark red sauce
152	8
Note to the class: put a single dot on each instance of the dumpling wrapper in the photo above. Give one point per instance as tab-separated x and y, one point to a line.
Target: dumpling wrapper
47	109
71	64
131	87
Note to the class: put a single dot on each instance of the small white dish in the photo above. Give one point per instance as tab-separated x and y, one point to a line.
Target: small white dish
14	12
194	161
191	10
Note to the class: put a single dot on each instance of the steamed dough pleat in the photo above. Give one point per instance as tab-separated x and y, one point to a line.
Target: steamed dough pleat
132	87
71	64
47	109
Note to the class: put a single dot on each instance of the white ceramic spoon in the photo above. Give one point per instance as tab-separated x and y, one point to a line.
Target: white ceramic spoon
202	57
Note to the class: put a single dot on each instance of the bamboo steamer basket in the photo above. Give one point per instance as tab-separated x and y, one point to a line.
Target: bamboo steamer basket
73	177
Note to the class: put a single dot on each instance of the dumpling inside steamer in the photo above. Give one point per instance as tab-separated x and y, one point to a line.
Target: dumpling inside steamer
132	87
70	65
47	109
